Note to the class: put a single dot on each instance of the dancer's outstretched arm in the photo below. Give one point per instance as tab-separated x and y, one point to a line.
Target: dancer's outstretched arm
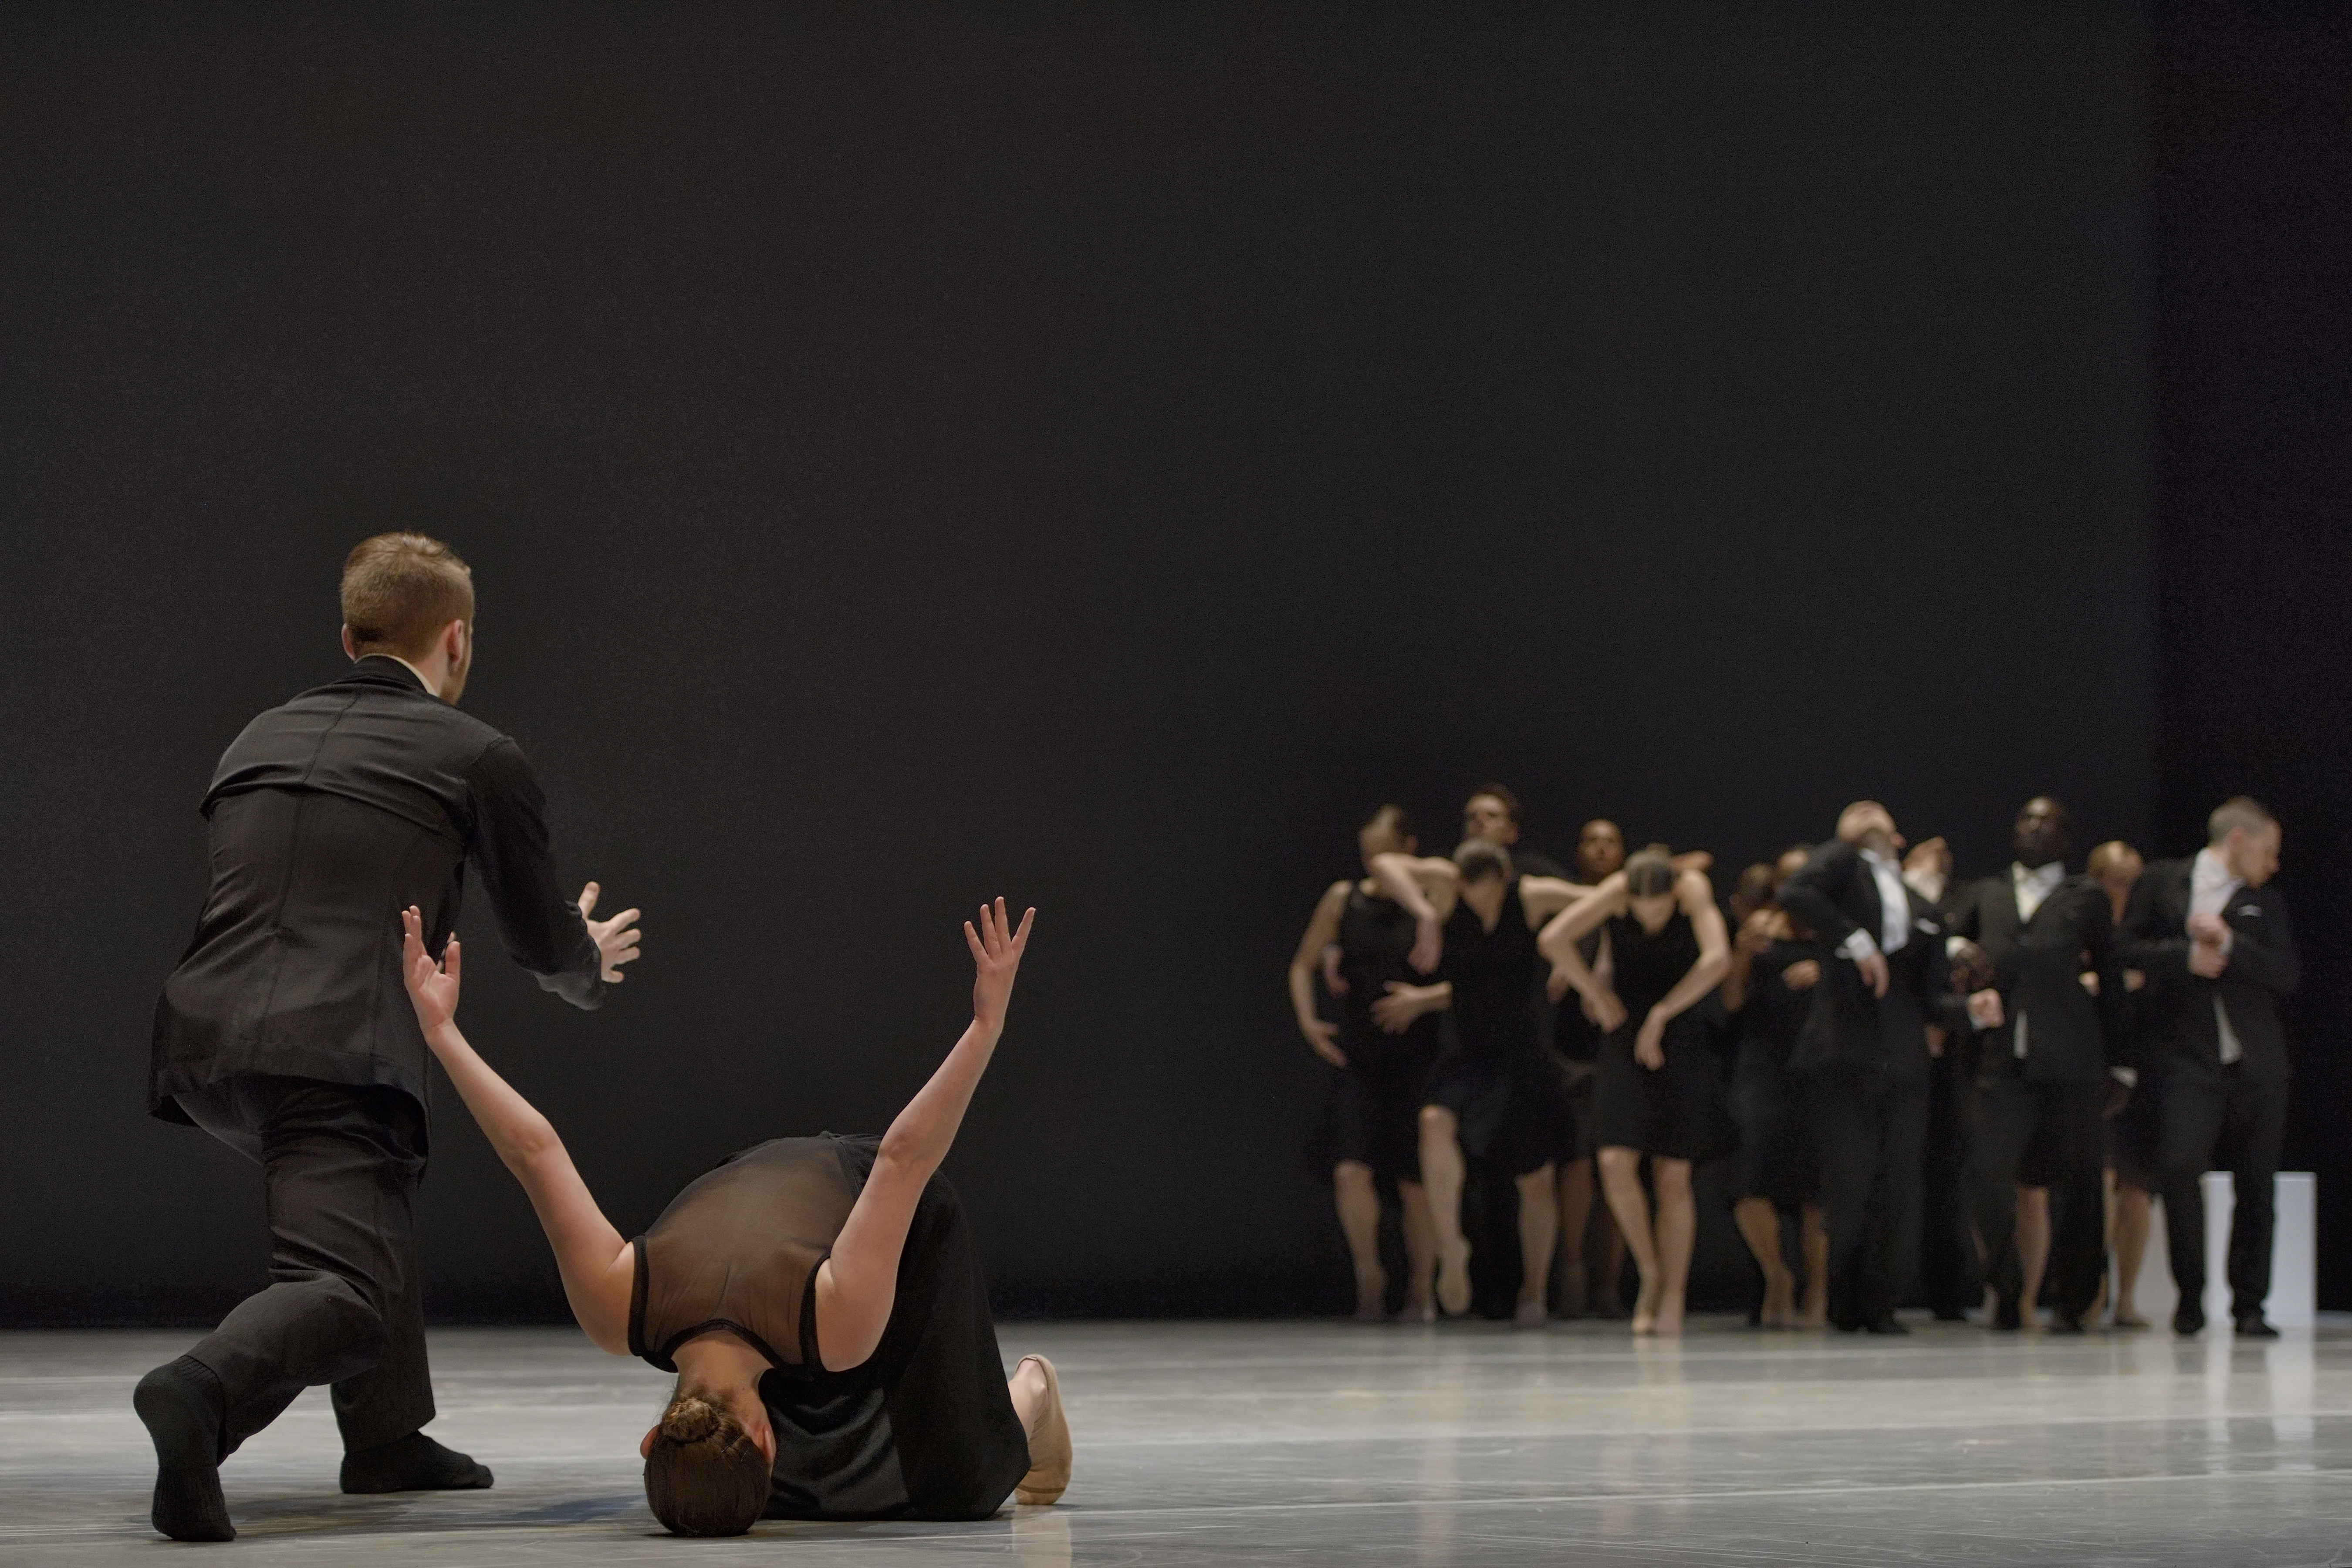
599	1269
856	1286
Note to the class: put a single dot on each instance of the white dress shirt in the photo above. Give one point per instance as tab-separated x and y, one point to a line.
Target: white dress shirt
2032	886
2210	888
1894	911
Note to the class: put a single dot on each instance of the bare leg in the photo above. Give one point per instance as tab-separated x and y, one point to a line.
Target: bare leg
1610	1291
1420	1255
1677	1231
1359	1203
1759	1226
1815	1240
1538	1228
2033	1247
1575	1216
1442	1176
2131	1247
1621	1181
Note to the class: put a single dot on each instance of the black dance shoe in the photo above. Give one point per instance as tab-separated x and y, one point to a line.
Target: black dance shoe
181	1403
2006	1314
413	1464
2189	1319
2254	1326
2062	1322
1883	1323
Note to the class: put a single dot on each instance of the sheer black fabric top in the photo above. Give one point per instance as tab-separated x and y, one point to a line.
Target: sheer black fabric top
1375	936
1649	966
1494	975
739	1249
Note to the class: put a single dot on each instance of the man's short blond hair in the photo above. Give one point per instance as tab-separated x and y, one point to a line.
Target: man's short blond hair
400	590
2240	812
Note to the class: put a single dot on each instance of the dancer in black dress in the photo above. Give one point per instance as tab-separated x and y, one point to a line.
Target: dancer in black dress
817	1298
1775	969
1585	1225
1376	1095
2135	1153
1496	1093
1659	1092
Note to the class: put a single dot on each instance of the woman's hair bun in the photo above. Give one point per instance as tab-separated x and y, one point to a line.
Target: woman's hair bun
692	1419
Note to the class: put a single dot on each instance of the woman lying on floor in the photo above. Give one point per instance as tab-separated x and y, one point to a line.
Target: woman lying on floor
817	1298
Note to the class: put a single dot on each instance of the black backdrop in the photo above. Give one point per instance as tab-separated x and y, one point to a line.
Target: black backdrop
1090	455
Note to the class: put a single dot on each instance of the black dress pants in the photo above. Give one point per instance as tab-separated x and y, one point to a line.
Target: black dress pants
2062	1123
1950	1272
2215	1117
1870	1129
340	1169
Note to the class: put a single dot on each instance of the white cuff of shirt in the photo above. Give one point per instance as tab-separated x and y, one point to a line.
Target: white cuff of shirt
1858	946
2128	1077
2228	941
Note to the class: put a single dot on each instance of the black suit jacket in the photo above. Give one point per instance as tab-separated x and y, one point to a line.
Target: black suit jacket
2071	1036
2177	1005
329	816
1836	894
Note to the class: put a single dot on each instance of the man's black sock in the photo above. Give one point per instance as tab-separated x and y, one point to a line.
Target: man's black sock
412	1464
183	1405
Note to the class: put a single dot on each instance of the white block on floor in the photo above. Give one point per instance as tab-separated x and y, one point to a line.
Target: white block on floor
2294	1253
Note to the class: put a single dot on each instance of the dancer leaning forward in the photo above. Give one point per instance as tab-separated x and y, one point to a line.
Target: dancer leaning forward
816	1297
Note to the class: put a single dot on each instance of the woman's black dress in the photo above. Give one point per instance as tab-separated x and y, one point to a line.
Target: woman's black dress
1778	1157
924	1429
1498	1077
1376	1098
1677	1111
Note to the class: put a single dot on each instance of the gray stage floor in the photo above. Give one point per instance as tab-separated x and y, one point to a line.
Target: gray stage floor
1310	1443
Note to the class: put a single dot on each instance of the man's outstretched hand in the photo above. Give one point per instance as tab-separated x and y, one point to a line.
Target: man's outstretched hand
617	938
996	950
432	988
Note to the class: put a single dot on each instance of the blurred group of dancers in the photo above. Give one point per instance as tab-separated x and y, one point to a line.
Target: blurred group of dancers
1961	1094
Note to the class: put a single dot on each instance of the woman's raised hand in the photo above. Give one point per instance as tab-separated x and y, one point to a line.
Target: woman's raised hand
432	988
996	950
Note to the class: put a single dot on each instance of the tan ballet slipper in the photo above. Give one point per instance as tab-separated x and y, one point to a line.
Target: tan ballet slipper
1049	1446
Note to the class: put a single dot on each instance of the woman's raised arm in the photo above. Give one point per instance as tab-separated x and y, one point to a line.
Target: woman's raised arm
599	1269
856	1286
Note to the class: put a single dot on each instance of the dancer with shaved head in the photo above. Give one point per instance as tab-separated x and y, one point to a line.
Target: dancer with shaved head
1889	1003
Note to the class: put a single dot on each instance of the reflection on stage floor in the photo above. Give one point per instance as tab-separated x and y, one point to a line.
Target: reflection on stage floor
1236	1444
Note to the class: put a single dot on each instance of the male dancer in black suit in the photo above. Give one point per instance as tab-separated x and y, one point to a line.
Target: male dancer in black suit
2211	935
1951	1272
1867	1051
285	1031
2048	1065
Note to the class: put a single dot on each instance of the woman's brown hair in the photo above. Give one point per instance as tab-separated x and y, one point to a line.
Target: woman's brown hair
704	1476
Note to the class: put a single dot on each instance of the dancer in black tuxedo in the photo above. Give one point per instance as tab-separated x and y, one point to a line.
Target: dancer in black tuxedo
1951	1273
1865	1048
285	1031
2211	935
2048	1065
